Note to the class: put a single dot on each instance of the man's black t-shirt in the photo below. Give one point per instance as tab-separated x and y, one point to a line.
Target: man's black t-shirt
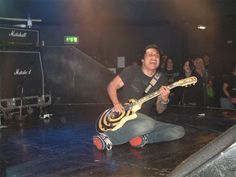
135	83
230	79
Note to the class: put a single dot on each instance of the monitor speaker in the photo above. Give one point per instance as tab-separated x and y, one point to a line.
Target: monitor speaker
216	159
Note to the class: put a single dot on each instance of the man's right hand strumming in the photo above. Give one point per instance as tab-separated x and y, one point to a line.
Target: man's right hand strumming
118	107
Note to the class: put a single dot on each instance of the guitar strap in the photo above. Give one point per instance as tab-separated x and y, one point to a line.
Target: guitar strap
152	82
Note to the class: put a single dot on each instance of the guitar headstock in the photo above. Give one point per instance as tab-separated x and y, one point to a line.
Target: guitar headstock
186	82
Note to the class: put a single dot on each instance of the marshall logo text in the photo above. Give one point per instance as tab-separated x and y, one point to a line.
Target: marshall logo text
17	34
22	72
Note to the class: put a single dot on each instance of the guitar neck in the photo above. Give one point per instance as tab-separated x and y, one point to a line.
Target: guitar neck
153	95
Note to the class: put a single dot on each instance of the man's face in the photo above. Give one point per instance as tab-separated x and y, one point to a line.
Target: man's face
151	59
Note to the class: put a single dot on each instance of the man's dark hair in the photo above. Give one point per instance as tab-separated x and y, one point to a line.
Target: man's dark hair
152	46
148	47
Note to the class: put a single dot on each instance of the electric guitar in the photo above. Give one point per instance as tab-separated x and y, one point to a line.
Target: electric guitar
111	120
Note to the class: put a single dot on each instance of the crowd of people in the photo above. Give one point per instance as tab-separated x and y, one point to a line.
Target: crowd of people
207	92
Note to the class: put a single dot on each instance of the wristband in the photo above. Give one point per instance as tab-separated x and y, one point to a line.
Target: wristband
164	102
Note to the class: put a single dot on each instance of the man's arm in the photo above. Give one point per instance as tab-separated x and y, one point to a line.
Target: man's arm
225	90
163	99
112	88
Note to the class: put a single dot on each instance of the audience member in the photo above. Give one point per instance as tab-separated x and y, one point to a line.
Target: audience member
206	60
228	94
172	75
191	95
163	62
207	80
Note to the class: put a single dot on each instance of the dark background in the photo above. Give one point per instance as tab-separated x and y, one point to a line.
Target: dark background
111	28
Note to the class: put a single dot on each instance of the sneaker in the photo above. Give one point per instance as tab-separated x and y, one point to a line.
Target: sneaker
139	141
102	142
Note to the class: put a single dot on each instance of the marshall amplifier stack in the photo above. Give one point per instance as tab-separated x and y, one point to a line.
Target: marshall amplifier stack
18	37
22	85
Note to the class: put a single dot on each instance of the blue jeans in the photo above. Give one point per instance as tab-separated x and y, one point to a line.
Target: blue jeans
155	131
225	103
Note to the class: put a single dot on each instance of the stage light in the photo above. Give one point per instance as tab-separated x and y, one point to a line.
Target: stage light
71	40
201	27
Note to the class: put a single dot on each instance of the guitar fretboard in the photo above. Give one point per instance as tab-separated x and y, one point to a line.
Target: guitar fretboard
153	95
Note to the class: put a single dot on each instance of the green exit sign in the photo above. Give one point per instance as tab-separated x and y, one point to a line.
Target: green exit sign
71	40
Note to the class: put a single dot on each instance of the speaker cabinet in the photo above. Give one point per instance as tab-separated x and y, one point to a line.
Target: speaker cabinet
21	80
21	70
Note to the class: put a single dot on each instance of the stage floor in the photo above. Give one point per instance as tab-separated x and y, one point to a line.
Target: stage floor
62	145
